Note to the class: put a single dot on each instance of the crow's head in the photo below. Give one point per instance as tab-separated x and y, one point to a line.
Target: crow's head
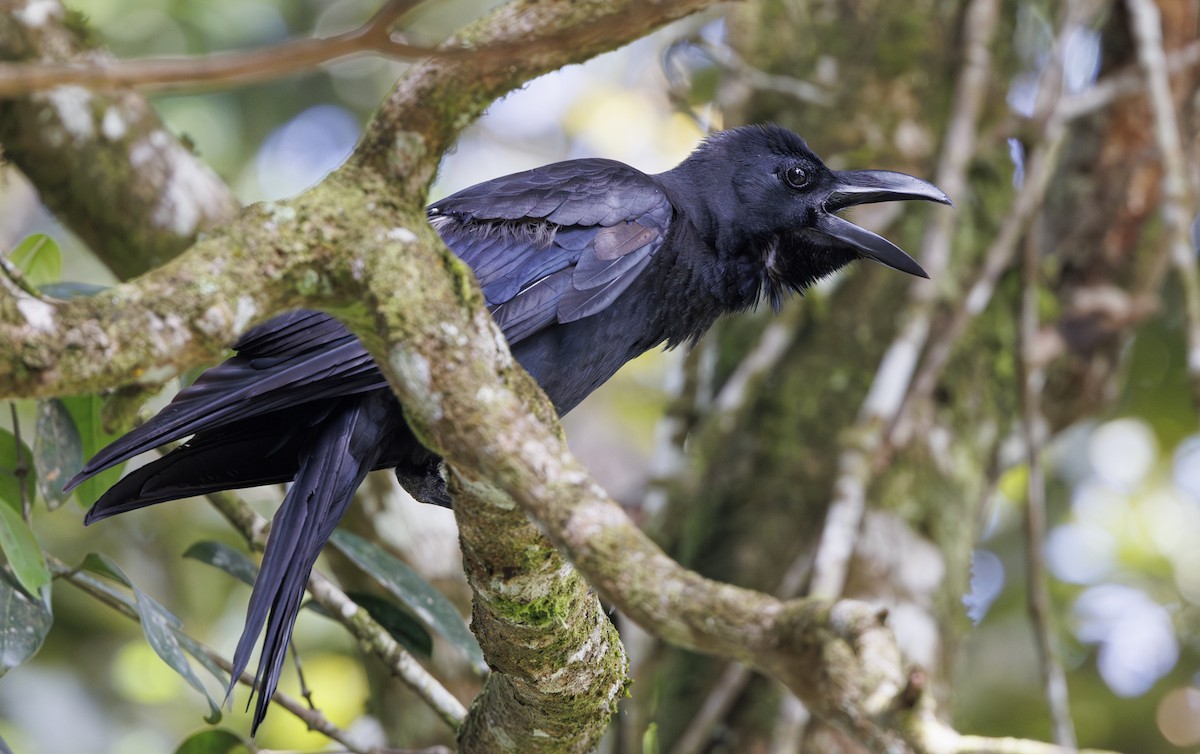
761	190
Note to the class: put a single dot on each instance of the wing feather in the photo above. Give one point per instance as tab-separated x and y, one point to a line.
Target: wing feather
555	244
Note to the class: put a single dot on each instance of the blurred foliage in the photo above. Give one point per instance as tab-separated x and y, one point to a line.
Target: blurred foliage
1122	541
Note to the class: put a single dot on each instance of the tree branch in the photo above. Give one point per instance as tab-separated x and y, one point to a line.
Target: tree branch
243	67
157	196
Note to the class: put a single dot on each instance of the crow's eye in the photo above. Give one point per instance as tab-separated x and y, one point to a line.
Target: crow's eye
796	177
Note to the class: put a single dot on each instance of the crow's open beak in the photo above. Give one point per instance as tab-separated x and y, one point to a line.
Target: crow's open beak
853	187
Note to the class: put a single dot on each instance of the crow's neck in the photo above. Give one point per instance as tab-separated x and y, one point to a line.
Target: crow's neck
715	262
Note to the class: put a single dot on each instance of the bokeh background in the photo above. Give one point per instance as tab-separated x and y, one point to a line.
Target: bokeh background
867	87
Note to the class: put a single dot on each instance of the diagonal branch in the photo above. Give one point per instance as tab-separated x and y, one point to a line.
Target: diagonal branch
312	718
243	67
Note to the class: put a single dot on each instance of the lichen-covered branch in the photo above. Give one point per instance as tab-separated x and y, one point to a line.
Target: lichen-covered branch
560	666
175	72
156	196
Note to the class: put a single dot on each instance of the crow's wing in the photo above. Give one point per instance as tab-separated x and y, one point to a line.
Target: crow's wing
558	243
554	244
294	359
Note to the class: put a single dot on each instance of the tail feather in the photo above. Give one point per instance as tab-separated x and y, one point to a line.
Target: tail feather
210	462
349	445
244	387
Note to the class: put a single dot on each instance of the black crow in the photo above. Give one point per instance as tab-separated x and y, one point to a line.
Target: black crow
585	264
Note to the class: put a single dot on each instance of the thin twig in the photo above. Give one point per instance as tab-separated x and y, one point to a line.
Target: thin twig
726	58
344	610
720	700
945	741
102	592
1124	84
997	260
1178	199
1032	375
245	66
176	73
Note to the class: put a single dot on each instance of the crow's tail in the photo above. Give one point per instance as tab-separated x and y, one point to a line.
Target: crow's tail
347	446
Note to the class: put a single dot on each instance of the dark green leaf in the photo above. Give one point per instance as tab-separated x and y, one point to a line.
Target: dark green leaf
426	603
85	412
21	549
222	556
38	259
16	471
24	623
104	566
159	626
58	450
398	622
215	741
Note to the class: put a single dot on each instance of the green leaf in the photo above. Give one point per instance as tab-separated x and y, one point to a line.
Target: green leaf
24	623
215	741
423	600
85	411
650	739
58	450
38	259
22	550
196	650
398	622
222	556
16	471
159	626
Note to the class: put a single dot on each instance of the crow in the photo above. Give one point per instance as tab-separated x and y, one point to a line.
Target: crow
584	265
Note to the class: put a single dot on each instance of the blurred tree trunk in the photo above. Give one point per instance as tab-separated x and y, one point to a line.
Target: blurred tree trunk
762	482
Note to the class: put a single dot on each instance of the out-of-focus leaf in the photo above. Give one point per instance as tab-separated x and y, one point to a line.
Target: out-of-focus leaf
398	622
650	739
215	741
22	551
24	623
418	595
196	650
58	450
71	289
38	259
159	626
226	558
16	471
85	411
